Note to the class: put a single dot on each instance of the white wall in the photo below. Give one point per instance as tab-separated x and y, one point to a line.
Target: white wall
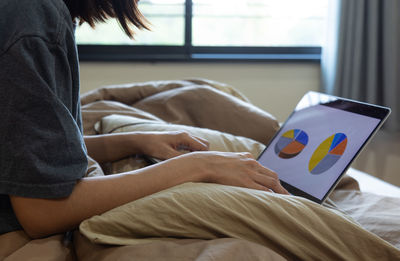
275	88
382	157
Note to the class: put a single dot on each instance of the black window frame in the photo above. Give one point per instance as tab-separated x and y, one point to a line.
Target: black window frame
190	53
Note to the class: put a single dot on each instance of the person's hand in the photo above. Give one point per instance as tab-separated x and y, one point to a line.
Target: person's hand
235	169
166	145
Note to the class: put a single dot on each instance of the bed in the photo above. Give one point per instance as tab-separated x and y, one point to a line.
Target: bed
369	208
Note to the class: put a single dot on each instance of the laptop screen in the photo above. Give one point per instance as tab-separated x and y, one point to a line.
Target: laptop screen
319	141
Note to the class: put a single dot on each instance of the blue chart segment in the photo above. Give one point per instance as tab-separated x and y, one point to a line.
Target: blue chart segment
291	143
327	153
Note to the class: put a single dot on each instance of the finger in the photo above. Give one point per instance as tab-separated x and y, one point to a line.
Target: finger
204	141
257	186
266	171
246	155
166	152
270	182
191	143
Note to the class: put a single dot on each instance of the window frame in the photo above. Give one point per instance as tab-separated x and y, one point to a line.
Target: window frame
190	53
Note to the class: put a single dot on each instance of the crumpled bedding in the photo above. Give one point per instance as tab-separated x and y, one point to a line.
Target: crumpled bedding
294	227
199	103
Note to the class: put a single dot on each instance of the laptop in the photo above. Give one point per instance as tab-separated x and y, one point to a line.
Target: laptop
318	142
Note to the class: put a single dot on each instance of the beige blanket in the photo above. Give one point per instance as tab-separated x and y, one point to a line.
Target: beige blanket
222	109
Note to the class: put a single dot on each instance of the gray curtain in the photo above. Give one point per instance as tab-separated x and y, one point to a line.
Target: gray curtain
361	58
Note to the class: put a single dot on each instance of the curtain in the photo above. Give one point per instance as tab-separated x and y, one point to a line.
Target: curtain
361	57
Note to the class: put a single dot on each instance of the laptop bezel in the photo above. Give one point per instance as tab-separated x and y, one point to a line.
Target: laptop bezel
362	108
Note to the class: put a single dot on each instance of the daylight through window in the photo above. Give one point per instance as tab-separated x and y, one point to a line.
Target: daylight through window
222	23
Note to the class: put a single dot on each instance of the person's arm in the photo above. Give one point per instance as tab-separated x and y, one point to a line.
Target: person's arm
162	145
93	196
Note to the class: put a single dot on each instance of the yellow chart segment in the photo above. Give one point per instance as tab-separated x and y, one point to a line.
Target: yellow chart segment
289	134
320	153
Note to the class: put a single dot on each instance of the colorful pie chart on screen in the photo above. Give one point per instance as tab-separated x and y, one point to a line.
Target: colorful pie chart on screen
327	153
291	143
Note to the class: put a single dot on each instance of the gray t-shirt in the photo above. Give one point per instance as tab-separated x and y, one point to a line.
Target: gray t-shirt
42	152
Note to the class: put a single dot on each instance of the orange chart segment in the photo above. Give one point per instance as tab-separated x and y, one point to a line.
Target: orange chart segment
291	143
339	149
293	147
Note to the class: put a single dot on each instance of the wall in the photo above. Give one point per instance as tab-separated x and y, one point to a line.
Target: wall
275	88
382	157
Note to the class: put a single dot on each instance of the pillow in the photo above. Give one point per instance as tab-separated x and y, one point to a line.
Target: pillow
219	141
296	228
206	107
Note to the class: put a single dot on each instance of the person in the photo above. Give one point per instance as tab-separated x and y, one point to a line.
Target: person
43	153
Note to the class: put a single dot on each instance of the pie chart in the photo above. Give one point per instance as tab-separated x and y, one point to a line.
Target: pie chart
327	153
291	143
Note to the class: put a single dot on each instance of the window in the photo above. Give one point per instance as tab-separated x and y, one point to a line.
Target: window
167	23
210	29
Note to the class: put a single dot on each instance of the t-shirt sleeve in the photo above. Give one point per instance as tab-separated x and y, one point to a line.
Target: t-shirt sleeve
42	152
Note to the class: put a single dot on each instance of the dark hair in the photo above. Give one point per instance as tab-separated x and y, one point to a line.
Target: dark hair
93	11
